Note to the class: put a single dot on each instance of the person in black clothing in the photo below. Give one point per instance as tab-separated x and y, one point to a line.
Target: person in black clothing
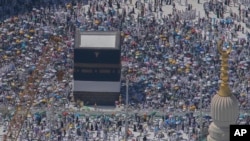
124	13
133	11
78	131
39	121
91	127
97	8
110	3
144	138
96	127
118	5
135	128
77	119
217	13
61	124
190	6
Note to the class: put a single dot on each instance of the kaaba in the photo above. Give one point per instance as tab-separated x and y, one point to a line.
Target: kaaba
97	67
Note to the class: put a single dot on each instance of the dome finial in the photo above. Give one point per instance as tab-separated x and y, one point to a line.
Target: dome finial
224	90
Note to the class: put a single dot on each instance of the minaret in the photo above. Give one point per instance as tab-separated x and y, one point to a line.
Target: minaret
224	105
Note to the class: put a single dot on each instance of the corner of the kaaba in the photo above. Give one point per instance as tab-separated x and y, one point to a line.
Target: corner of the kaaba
97	67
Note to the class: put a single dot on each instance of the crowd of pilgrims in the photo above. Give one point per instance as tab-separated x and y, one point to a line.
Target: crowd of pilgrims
171	62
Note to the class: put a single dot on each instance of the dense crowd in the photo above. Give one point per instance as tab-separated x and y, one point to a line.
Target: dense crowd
171	59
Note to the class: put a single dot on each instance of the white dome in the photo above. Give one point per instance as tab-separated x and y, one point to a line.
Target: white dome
224	110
